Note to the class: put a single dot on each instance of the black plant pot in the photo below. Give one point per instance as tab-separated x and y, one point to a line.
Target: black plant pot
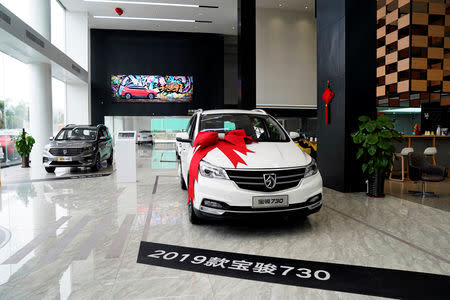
376	185
25	161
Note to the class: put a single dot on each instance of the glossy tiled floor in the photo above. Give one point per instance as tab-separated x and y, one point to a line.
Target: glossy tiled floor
113	218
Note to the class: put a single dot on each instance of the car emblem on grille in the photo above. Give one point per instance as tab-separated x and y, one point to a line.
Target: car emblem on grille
64	151
270	180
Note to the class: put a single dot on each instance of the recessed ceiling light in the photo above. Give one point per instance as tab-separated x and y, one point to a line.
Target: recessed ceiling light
145	19
152	19
151	3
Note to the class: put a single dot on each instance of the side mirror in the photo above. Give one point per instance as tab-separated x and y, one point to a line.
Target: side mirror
50	138
295	136
183	137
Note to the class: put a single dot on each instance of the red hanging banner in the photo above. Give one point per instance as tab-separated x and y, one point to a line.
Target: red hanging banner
327	96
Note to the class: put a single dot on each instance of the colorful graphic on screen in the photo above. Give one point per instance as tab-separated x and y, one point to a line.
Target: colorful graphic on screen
152	88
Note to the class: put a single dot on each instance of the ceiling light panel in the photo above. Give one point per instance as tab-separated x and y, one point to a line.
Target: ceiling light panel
152	3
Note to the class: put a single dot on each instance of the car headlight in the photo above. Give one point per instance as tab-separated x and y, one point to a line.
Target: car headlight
210	171
311	169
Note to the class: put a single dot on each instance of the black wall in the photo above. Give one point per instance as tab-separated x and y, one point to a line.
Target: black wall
159	53
346	36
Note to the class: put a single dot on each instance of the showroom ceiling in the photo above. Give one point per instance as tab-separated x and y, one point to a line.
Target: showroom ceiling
142	16
221	19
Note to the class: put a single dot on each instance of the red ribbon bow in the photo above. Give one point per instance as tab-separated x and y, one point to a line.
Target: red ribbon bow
207	141
327	96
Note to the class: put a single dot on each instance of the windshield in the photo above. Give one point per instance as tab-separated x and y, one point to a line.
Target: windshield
77	134
261	128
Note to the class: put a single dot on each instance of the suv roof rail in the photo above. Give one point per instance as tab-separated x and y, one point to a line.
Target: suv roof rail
259	110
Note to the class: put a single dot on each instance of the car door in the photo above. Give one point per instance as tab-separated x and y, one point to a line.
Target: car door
186	148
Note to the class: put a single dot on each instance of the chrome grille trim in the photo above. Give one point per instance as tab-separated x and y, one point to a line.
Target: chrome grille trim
252	179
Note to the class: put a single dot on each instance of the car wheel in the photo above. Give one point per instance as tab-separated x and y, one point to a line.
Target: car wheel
128	96
50	169
111	158
193	218
151	96
182	183
98	163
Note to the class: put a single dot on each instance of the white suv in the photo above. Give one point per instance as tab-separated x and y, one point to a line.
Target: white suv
278	177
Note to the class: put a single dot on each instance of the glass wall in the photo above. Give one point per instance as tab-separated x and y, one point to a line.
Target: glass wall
58	25
14	105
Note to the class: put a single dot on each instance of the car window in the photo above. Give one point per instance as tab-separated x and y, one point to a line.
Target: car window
77	134
191	129
260	127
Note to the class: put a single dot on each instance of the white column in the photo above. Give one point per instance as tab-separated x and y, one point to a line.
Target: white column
41	112
40	82
39	16
77	43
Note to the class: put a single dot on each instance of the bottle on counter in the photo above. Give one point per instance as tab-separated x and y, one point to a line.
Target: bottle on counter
438	130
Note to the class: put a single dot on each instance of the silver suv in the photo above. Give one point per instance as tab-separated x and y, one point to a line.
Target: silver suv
79	146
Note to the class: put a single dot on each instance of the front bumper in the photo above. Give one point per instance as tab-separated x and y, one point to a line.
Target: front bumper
86	159
305	198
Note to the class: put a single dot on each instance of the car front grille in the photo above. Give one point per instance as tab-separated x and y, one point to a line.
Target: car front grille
66	151
254	179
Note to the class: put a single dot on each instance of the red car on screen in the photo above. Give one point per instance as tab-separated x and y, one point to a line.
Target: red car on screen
137	91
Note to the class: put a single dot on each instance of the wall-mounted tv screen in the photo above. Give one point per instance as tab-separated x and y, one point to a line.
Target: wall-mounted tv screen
152	88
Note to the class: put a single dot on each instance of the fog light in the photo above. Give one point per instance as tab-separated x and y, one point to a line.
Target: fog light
211	203
315	199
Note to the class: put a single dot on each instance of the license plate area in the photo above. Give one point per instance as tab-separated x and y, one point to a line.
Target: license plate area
270	201
64	158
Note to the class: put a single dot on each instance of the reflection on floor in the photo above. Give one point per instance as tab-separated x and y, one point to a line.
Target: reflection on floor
442	189
79	238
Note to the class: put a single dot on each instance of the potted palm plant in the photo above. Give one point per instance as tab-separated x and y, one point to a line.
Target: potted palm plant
24	144
375	149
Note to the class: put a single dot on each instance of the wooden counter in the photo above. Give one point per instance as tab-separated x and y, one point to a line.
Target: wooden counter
433	137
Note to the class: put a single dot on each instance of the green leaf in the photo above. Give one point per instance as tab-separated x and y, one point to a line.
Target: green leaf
359	153
372	150
386	134
364	168
371	126
384	144
372	139
363	118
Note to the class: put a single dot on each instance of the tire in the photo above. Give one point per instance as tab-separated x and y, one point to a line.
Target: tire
128	96
193	218
182	182
50	169
151	96
98	163
111	158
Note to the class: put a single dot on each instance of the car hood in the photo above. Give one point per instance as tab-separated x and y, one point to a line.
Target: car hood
266	155
69	144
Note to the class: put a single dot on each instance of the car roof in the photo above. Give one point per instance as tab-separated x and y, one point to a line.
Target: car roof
72	126
234	111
